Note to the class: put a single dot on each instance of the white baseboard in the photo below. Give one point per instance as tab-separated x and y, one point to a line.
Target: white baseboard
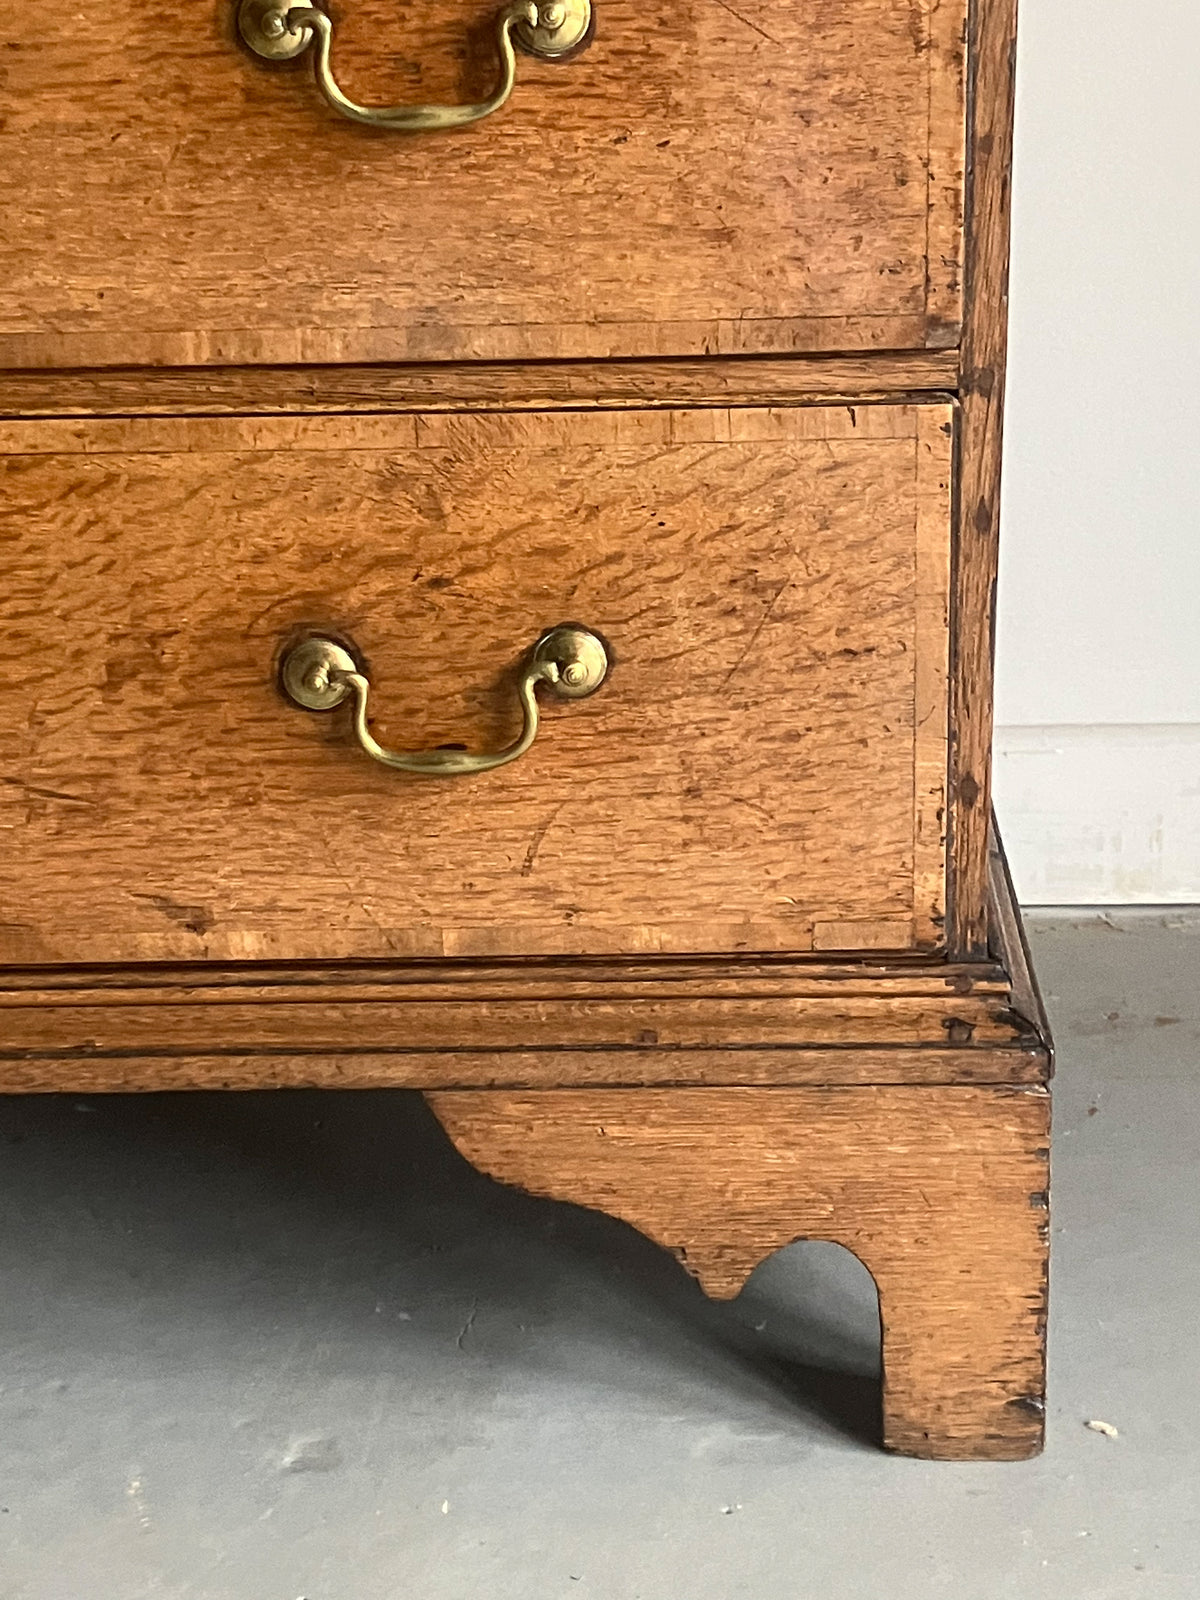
1101	815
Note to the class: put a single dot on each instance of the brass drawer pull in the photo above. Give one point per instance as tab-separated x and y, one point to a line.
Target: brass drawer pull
548	29
318	674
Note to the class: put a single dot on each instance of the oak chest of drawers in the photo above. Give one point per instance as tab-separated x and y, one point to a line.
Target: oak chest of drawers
498	601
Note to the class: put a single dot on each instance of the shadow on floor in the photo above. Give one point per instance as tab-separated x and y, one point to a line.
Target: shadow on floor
349	1221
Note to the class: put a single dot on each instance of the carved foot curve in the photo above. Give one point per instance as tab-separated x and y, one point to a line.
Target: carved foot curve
941	1193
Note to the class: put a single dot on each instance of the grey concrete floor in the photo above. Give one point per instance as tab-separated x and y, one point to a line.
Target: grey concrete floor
290	1348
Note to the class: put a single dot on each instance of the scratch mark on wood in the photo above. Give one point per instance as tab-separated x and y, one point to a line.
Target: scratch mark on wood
46	794
746	23
196	919
753	640
535	843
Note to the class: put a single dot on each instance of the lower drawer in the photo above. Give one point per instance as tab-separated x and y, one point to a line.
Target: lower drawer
763	769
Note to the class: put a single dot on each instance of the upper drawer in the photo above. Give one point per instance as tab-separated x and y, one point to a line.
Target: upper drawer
763	769
701	179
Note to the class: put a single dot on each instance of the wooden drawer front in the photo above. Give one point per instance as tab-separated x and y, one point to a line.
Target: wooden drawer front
702	179
763	770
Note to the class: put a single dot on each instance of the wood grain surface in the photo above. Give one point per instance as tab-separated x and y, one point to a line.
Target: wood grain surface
479	385
942	1193
701	180
746	776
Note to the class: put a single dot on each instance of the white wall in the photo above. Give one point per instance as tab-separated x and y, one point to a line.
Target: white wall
1098	695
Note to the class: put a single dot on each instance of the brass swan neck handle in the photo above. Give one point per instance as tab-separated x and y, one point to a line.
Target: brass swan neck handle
548	29
318	674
